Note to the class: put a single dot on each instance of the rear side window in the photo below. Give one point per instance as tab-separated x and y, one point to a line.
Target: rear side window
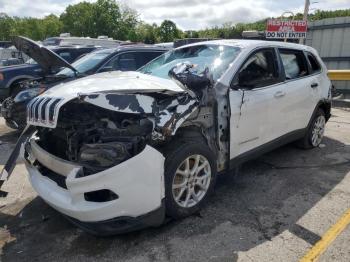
315	66
126	62
66	56
259	70
294	63
145	57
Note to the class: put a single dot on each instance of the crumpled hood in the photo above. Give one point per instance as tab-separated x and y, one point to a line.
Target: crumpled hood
46	58
116	81
116	90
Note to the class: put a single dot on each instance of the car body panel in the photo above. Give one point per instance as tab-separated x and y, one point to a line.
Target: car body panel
284	107
134	82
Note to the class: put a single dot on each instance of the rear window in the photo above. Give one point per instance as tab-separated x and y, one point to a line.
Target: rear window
315	66
294	63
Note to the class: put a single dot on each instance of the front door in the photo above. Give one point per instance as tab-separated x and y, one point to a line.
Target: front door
255	89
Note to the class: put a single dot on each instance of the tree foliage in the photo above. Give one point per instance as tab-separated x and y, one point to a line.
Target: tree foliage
108	17
34	28
104	17
168	31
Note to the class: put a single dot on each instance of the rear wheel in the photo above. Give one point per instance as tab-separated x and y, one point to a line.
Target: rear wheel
315	132
190	175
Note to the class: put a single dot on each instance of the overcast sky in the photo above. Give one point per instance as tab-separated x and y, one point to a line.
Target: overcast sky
187	14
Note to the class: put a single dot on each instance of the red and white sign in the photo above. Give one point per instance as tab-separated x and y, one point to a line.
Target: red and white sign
286	28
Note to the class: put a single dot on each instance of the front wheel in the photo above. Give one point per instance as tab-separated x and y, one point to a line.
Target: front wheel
190	175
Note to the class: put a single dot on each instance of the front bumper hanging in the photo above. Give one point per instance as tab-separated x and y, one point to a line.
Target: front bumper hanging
137	182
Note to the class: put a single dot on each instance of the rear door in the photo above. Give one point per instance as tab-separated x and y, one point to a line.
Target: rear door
300	87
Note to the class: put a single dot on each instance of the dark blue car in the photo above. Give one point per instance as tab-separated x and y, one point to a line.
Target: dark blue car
123	58
12	76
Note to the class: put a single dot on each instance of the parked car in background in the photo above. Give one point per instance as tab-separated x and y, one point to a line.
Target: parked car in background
123	58
12	76
67	39
10	61
119	151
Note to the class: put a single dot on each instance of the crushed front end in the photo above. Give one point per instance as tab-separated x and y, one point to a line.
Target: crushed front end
97	159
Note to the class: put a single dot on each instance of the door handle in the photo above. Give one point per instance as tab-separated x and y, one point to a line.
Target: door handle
279	94
313	85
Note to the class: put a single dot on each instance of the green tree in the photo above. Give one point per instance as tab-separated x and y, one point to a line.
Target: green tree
107	19
52	26
104	17
168	31
78	19
7	26
145	33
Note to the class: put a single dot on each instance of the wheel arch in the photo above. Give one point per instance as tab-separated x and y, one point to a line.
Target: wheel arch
190	132
18	79
326	106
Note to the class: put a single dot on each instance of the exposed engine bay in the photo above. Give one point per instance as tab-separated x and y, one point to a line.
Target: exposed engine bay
95	138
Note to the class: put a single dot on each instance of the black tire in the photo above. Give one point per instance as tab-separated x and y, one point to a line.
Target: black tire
15	89
306	141
174	156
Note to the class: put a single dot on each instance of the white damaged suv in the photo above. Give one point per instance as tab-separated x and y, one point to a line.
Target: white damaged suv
120	151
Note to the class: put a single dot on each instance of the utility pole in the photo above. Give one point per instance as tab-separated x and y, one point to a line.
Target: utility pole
306	12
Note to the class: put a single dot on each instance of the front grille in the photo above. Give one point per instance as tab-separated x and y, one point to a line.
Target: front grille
43	111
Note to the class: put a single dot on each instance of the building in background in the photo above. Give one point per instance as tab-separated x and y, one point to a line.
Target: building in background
331	38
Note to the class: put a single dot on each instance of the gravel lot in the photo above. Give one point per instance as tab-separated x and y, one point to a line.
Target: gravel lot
274	209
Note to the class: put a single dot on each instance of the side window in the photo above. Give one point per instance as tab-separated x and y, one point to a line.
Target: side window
127	62
79	53
112	65
122	62
315	66
294	63
66	56
258	71
145	57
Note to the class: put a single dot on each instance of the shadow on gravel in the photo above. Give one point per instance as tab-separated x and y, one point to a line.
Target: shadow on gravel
10	137
266	197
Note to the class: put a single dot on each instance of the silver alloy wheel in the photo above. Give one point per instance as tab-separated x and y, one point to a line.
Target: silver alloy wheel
318	130
191	181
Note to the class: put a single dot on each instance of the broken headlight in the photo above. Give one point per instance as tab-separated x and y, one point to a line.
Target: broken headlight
97	157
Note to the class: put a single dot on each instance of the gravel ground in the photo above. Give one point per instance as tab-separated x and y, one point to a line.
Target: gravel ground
274	209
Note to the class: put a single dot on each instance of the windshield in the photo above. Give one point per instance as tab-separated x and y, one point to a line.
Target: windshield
85	64
216	57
